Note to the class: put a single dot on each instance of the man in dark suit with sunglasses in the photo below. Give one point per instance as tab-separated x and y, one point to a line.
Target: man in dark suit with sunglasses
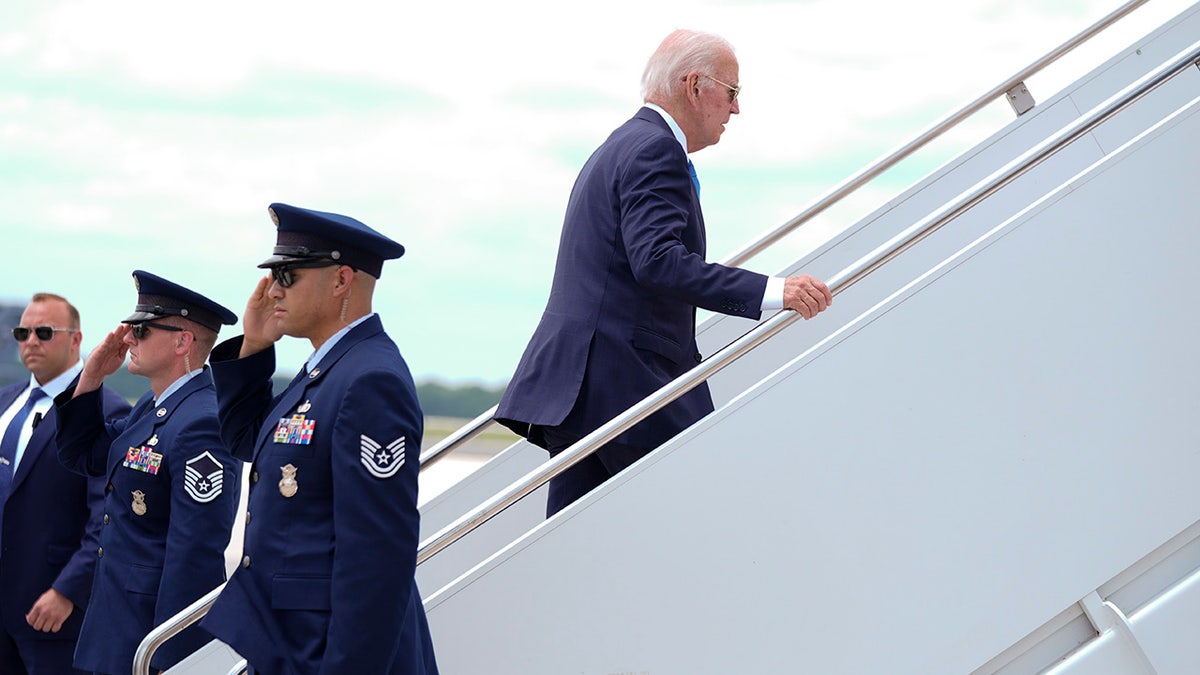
172	487
631	272
327	581
51	516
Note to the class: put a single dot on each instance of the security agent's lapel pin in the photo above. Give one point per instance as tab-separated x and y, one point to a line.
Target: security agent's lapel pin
288	485
139	503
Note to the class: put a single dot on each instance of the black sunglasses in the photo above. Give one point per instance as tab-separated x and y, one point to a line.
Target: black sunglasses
43	333
141	329
282	274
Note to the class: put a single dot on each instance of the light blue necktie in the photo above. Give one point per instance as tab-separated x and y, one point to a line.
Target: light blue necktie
695	178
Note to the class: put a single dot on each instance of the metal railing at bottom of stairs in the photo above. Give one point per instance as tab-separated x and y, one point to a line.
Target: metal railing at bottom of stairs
840	282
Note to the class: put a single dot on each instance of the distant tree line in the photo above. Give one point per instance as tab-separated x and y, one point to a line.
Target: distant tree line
468	401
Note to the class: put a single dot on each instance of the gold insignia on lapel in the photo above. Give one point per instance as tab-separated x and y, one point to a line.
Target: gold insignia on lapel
162	412
139	503
288	484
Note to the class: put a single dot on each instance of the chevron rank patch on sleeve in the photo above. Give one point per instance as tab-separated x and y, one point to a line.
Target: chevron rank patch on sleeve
203	478
381	461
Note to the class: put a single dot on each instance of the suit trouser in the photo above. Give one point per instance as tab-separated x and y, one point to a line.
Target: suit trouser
590	472
36	657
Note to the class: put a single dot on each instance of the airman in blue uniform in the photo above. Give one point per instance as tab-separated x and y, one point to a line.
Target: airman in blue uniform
326	582
172	489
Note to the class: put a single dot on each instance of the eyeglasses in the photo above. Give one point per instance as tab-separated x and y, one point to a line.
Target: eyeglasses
142	329
43	333
282	274
733	91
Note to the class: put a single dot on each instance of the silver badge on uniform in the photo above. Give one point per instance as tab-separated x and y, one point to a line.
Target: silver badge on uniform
139	503
203	478
382	462
287	484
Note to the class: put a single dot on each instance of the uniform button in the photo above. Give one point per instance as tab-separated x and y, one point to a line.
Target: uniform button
106	519
109	488
698	358
253	476
246	561
100	552
247	517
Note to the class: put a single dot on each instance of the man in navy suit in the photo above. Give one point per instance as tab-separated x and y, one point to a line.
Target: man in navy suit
631	271
171	486
327	582
51	517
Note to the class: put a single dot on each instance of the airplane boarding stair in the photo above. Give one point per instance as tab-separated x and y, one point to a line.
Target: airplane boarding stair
962	470
977	461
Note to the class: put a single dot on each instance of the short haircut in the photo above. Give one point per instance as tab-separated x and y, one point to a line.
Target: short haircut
72	312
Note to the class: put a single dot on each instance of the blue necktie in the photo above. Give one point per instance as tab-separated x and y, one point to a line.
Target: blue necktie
8	447
695	178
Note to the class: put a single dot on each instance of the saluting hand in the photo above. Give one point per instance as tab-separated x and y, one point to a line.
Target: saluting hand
104	360
806	294
259	325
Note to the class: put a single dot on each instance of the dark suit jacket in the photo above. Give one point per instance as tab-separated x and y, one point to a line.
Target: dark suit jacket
621	319
326	583
51	525
161	549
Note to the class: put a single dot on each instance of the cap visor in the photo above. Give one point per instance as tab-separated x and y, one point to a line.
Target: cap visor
277	260
138	317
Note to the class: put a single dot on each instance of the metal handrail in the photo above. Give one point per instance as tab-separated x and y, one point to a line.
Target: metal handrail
761	333
450	443
844	189
170	628
840	282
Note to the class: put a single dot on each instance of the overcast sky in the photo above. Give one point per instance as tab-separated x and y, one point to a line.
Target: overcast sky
152	135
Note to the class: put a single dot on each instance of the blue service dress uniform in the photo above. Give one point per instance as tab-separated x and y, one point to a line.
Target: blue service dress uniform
168	511
326	583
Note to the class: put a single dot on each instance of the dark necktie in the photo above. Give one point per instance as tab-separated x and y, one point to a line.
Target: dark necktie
8	446
695	178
